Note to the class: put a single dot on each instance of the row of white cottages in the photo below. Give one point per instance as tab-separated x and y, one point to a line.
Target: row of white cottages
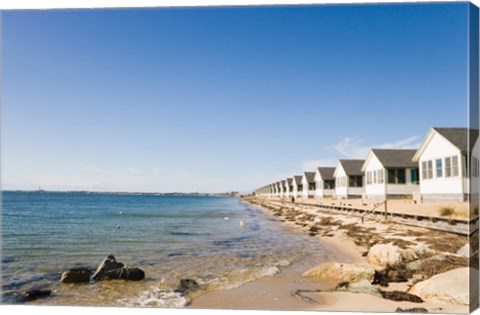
439	170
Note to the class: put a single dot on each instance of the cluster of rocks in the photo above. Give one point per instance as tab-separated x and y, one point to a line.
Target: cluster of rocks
109	269
388	263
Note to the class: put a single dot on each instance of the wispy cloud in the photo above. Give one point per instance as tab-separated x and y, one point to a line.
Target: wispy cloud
358	148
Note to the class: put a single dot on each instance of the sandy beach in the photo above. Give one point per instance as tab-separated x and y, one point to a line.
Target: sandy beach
352	239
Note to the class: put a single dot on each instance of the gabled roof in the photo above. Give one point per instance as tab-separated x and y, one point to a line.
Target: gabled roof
352	167
283	182
459	137
326	172
462	138
310	176
290	181
298	179
396	157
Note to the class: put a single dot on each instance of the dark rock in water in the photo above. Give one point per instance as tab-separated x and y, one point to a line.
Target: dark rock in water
110	269
7	260
26	296
392	274
175	254
186	286
108	264
412	310
77	275
133	274
401	296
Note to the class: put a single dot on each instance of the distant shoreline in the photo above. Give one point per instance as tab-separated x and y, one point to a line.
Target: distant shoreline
86	192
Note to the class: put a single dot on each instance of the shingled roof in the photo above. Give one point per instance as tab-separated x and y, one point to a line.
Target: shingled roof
396	157
298	179
310	176
352	167
459	137
290	181
326	172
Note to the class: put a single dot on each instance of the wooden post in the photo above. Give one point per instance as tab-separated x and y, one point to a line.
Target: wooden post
386	211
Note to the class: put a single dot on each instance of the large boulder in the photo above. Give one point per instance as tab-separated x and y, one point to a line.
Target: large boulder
110	269
341	272
450	287
108	264
384	254
76	276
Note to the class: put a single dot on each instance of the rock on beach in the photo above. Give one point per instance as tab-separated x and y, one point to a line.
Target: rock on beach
450	287
389	254
341	272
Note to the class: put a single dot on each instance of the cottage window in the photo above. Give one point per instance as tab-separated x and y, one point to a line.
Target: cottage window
380	176
300	187
355	181
329	184
478	168
474	167
439	167
448	167
396	176
374	177
429	169
455	165
311	186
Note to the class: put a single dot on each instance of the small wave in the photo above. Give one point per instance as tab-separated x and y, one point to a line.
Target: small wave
240	277
156	297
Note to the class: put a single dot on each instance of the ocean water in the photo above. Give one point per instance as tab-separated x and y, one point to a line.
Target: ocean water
220	242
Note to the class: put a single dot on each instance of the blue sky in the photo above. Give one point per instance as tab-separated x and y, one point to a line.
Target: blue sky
219	99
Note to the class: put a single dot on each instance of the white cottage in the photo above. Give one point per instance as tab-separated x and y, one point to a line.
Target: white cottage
324	182
289	191
349	179
308	184
390	173
297	186
443	162
278	190
283	185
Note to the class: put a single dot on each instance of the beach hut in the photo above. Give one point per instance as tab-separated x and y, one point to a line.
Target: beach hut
275	189
297	186
349	179
289	184
279	189
283	184
443	159
308	184
390	173
324	182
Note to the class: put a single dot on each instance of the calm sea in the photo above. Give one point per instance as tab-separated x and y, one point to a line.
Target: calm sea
220	242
